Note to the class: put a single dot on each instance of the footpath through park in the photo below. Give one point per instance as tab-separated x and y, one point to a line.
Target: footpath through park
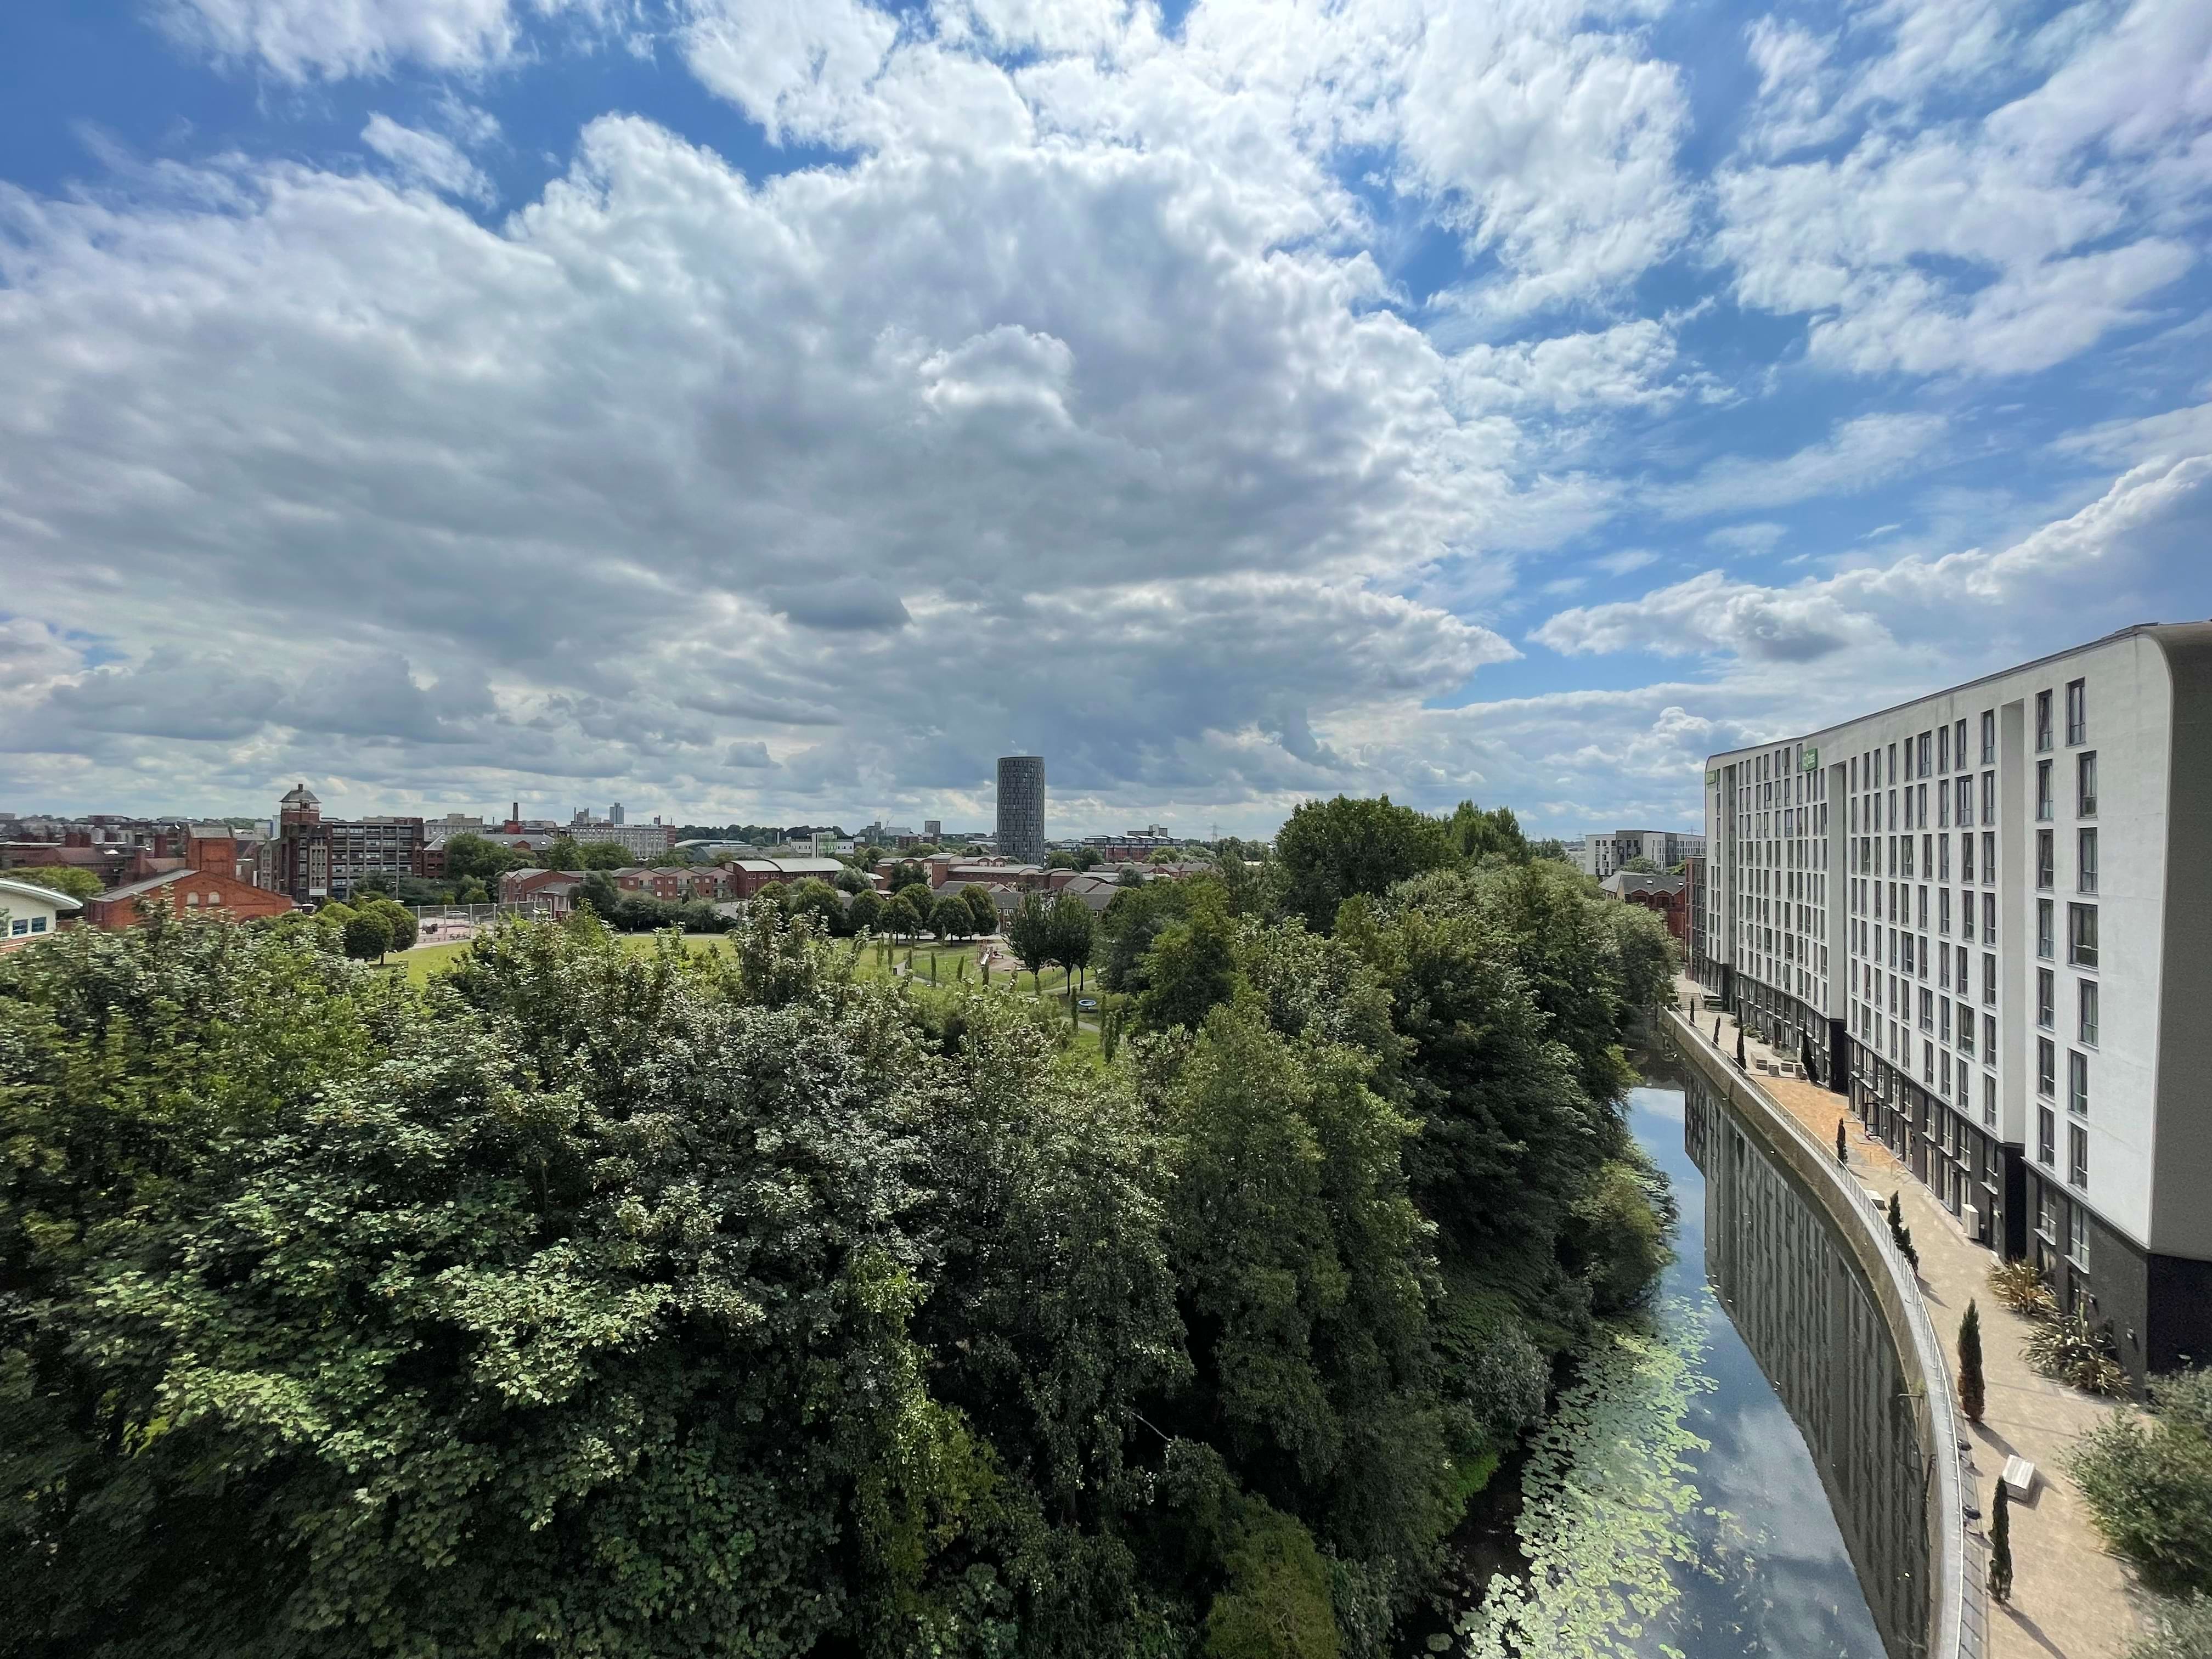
2071	1599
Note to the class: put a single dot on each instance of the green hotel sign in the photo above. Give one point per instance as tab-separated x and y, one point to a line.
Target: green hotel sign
1811	762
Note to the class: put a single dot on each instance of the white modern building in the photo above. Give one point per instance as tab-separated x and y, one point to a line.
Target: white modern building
29	911
1984	915
1600	855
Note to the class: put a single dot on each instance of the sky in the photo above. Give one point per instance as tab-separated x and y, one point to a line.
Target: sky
774	411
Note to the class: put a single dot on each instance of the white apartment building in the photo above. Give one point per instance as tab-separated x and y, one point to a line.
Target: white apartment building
1986	916
1600	855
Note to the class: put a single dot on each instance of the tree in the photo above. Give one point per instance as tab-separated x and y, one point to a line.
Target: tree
472	891
949	917
1331	850
1029	934
562	853
918	893
598	891
1133	919
1479	834
982	913
1072	925
819	900
849	880
1192	965
368	935
398	921
65	879
863	911
1970	1391
2001	1545
470	856
1640	865
1900	1235
1843	1154
901	918
2148	1480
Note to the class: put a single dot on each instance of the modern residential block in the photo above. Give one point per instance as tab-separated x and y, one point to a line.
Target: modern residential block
1983	914
1021	808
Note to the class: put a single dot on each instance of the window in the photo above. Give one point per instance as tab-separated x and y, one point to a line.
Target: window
2085	785
2046	1141
1927	1010
1989	917
2077	1083
1944	923
1989	798
2042	721
1990	1101
1989	736
1989	1039
2047	998
2046	921
2082	935
2046	1067
2087	1029
2043	791
2077	713
2077	1155
1958	739
38	924
1926	741
19	927
1964	788
1989	856
2086	860
1965	854
1942	858
1990	988
1942	748
2078	1246
2046	854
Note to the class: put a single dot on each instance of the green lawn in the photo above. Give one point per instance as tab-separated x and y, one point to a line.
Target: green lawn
427	960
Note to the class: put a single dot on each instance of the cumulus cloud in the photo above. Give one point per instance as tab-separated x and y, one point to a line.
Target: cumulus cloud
2001	245
306	39
1860	454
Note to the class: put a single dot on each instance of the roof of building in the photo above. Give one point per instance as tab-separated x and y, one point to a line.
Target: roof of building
1622	883
33	890
148	883
300	795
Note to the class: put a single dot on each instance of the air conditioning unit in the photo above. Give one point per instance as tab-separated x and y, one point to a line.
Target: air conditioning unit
1972	1215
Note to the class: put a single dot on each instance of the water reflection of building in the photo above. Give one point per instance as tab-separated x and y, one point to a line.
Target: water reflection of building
1805	1311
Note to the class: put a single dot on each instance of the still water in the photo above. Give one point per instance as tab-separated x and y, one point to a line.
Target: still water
1673	1506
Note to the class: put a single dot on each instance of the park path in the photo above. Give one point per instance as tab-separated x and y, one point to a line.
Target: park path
2071	1599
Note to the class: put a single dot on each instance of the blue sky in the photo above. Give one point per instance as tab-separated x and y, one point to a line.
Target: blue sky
750	410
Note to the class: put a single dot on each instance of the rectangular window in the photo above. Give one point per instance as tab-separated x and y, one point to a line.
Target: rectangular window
1990	1101
2046	1066
2077	1155
1958	739
2045	927
1989	736
2046	1139
1943	920
1964	790
1926	749
2046	856
2085	785
1942	858
1927	1010
1989	1039
1989	857
2082	935
2087	1026
2078	1248
1989	985
1943	748
2043	791
1989	798
1965	1031
1966	855
2042	721
2077	713
2085	866
1942	1018
2047	998
2077	1082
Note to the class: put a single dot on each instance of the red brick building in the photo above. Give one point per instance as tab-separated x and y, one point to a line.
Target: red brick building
207	885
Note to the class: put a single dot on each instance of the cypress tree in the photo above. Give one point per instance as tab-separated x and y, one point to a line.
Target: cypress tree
1971	1392
1842	1156
1739	1064
2001	1545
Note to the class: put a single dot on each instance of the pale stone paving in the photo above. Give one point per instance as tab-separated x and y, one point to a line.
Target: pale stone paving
2071	1598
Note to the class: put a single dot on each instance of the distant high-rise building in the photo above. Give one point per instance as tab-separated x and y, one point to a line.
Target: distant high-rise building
614	814
1021	808
932	829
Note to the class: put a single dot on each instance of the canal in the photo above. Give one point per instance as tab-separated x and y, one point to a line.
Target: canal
1741	1476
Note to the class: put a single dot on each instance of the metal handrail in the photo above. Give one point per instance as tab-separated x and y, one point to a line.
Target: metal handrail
1959	1613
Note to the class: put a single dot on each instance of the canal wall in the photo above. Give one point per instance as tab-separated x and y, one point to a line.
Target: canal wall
1955	1615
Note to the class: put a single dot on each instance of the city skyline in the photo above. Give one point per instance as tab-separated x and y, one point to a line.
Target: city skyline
1523	461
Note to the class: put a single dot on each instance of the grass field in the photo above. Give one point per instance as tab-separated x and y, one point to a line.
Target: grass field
955	965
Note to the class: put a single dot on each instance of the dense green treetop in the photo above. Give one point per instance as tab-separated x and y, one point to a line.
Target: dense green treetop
1330	851
64	879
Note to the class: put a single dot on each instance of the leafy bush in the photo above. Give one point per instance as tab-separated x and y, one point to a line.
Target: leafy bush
2178	1630
2019	1285
2148	1480
2072	1351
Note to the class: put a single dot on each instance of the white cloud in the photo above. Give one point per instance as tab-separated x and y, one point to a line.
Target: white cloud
1758	536
426	158
308	40
1860	454
1997	245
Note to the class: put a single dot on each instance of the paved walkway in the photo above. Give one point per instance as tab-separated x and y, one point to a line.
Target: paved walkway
2070	1599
